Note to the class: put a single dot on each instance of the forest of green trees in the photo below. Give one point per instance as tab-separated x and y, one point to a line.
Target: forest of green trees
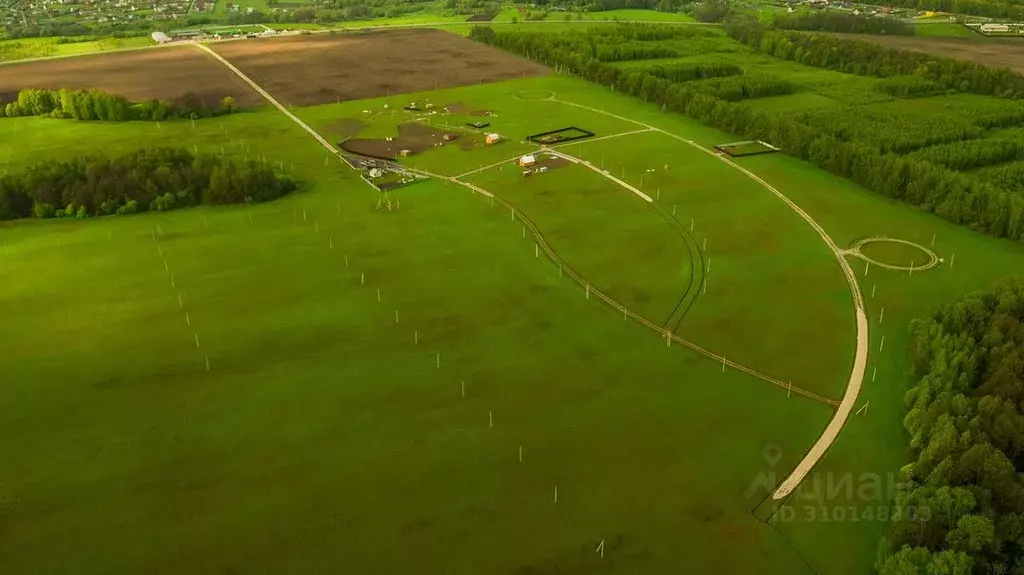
878	161
966	432
868	59
149	179
830	21
99	105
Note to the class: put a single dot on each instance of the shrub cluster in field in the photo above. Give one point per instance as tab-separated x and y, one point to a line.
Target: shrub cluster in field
158	179
99	105
967	438
869	146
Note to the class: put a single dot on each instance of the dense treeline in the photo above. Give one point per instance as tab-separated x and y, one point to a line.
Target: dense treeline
599	5
967	441
830	21
712	10
956	197
971	154
626	52
621	43
889	131
688	71
115	28
736	88
333	11
868	59
1009	176
99	105
150	179
908	87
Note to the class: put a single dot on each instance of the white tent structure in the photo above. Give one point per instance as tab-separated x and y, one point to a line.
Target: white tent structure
160	37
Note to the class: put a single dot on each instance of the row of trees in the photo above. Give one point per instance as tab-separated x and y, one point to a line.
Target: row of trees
687	71
966	439
831	21
868	59
736	88
908	87
149	179
888	130
951	195
99	105
1009	176
970	154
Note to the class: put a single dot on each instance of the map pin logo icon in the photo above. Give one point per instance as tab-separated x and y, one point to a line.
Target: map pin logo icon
772	454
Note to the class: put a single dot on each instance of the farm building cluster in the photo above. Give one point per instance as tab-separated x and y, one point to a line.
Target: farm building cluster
538	163
381	174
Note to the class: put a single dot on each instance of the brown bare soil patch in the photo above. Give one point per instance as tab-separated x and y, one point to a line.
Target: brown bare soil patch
456	108
163	73
321	68
551	162
414	137
994	52
481	113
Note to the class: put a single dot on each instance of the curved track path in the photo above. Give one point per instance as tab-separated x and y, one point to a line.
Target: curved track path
845	406
856	250
860	361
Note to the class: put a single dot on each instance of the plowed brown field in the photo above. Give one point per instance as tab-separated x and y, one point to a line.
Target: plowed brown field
321	68
164	73
994	52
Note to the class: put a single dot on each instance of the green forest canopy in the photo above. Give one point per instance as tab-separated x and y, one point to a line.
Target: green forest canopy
966	424
99	105
158	179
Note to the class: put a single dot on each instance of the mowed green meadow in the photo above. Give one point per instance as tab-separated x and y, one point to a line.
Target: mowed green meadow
327	435
324	434
785	288
818	520
751	242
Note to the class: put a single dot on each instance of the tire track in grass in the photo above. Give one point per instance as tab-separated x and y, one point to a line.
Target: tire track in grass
845	407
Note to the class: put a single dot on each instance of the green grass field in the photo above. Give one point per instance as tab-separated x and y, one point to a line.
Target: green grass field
325	432
945	30
28	48
314	389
